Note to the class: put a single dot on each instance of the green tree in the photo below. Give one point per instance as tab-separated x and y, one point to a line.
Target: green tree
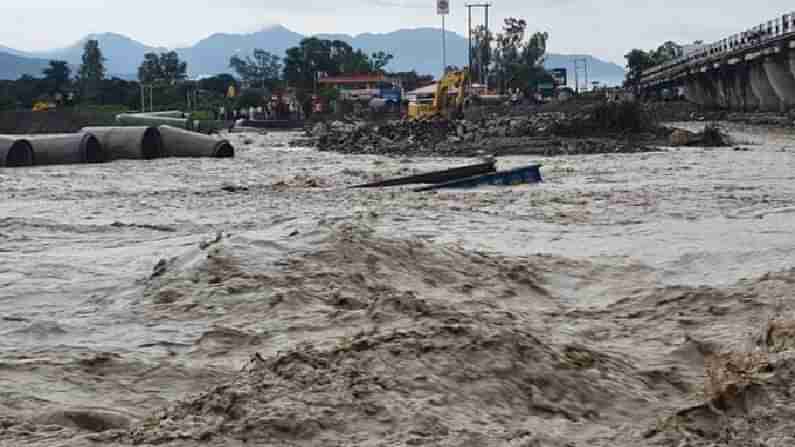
265	68
165	68
218	84
520	62
667	52
92	70
57	74
305	61
481	52
314	56
637	62
250	98
117	91
28	89
379	60
150	72
172	68
7	99
93	67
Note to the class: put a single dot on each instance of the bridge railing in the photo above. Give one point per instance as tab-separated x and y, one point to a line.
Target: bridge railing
774	29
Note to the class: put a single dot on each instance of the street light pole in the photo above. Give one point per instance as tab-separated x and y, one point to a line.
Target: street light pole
444	47
469	50
485	66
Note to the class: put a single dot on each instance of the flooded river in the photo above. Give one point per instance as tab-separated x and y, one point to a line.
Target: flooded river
214	302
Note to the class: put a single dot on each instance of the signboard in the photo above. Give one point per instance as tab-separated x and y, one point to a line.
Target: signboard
443	7
560	75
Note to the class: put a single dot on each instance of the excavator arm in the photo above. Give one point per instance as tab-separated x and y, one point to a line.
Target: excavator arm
442	106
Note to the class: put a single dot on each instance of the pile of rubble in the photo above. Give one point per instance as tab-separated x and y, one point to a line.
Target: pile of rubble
539	133
711	136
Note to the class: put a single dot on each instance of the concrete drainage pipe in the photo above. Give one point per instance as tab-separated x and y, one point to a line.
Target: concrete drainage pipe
67	149
131	143
182	143
15	152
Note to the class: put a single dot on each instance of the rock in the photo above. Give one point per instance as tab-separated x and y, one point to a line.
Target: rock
320	130
681	137
89	419
464	137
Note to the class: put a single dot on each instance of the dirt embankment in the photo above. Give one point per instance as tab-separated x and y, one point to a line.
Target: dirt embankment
596	129
60	121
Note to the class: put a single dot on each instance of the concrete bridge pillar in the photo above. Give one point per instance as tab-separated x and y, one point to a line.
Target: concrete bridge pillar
694	92
763	90
746	99
709	89
723	91
740	95
781	79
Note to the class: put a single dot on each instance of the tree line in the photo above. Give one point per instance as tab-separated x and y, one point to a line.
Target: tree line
262	71
639	60
512	58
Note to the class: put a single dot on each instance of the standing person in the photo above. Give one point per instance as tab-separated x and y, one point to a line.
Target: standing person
515	97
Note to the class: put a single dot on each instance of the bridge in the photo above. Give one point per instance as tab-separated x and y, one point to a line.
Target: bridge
752	70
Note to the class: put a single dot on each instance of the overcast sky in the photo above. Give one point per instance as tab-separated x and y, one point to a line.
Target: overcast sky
606	29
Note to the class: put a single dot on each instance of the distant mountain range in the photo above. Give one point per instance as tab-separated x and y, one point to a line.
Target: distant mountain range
13	66
415	49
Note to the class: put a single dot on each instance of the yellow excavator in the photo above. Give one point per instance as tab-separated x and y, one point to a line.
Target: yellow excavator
443	106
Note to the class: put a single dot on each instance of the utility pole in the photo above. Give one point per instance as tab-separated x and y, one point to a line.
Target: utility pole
443	9
580	67
483	69
469	48
444	46
485	66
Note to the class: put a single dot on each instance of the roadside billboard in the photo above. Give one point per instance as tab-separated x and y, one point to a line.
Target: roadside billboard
560	75
443	7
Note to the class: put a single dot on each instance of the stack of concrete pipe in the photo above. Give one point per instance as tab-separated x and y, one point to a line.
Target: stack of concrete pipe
101	144
147	143
155	119
181	143
64	149
15	152
173	118
130	143
52	149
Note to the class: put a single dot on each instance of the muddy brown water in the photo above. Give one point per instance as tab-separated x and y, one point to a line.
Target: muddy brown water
212	302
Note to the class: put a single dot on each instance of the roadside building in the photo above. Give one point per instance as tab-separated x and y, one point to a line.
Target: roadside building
364	87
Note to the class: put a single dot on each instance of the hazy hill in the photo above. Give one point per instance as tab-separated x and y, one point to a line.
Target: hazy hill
211	55
13	66
11	51
415	49
122	54
598	70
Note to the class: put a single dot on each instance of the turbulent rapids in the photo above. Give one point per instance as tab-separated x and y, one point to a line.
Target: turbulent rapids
632	299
